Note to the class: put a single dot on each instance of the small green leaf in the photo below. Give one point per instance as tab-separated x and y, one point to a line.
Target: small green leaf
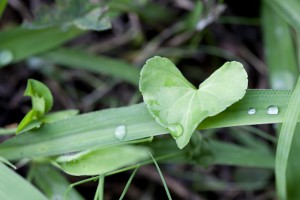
178	106
102	161
36	89
42	102
65	13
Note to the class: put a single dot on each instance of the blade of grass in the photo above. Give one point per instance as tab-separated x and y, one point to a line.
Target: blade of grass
293	177
221	153
128	183
229	154
52	183
162	177
7	131
279	50
259	132
22	43
249	140
285	140
14	187
288	10
283	72
100	189
3	160
2	7
97	129
99	64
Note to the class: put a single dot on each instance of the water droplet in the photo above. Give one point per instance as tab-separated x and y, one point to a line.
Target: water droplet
120	132
272	110
6	57
176	130
251	111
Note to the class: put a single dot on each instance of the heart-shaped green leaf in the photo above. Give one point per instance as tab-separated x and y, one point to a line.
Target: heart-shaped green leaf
178	106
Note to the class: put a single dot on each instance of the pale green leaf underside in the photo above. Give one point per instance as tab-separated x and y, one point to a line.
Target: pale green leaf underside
178	106
103	160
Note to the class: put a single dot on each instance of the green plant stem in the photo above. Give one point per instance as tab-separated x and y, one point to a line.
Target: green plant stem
128	183
162	177
100	189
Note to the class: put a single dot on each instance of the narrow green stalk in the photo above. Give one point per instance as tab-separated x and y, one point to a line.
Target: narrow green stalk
162	177
100	189
285	140
128	183
7	131
78	183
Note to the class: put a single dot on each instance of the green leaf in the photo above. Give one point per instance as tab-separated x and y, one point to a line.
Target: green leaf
178	106
42	102
38	91
84	15
19	43
15	187
102	161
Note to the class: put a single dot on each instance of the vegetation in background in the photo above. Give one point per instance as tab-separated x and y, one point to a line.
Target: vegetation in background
87	57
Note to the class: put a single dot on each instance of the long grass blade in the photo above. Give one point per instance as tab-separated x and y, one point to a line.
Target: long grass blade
97	129
285	140
14	187
289	10
99	64
20	43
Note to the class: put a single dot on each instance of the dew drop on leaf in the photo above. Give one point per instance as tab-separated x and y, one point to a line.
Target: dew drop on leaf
6	57
251	111
120	132
176	130
272	110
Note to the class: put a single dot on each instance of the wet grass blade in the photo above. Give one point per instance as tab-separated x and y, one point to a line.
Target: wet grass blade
97	129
